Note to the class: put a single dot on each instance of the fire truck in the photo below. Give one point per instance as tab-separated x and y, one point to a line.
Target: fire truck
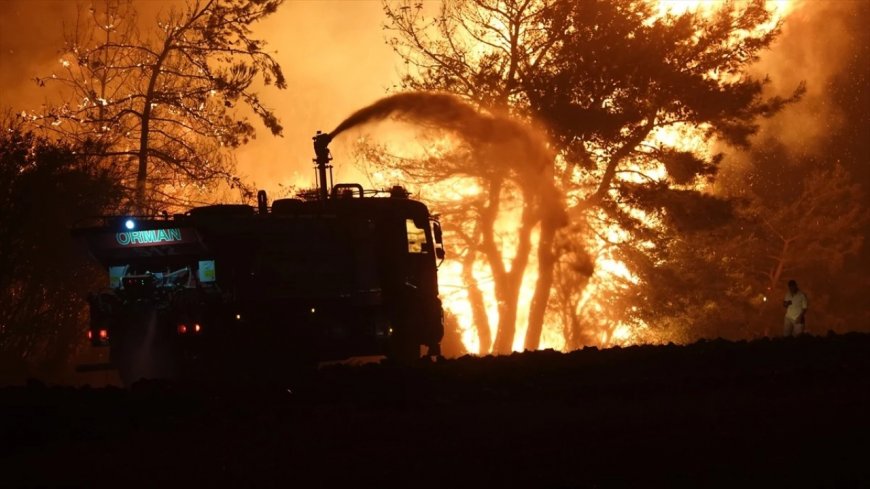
338	272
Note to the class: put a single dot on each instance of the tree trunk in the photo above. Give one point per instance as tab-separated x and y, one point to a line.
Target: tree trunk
507	316
142	173
546	262
144	128
141	180
576	327
478	309
507	286
553	216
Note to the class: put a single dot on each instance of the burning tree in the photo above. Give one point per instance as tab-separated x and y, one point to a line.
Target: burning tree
162	102
630	98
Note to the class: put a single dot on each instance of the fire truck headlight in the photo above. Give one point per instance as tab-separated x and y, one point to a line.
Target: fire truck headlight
129	224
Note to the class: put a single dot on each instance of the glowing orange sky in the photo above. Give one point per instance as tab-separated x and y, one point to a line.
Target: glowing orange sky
336	61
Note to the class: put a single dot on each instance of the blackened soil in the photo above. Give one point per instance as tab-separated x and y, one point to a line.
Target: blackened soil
780	413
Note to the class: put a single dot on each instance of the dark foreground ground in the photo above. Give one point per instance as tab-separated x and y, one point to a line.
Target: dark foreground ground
781	413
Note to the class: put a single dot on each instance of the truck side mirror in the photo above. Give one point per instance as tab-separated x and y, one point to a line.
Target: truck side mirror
439	253
436	230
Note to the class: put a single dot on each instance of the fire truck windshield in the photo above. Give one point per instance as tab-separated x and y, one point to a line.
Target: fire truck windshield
160	276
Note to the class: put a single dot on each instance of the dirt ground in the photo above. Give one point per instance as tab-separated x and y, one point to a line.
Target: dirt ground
770	413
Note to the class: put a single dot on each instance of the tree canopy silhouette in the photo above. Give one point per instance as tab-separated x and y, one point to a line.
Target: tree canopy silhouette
607	80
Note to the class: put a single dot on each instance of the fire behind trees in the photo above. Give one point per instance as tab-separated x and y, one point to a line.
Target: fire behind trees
609	82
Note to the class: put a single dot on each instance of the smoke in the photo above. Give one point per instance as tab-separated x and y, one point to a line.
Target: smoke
818	39
815	43
818	44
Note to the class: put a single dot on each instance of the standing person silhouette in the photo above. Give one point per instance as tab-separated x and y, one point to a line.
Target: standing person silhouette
795	304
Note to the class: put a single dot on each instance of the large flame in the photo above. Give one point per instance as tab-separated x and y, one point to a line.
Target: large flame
610	275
